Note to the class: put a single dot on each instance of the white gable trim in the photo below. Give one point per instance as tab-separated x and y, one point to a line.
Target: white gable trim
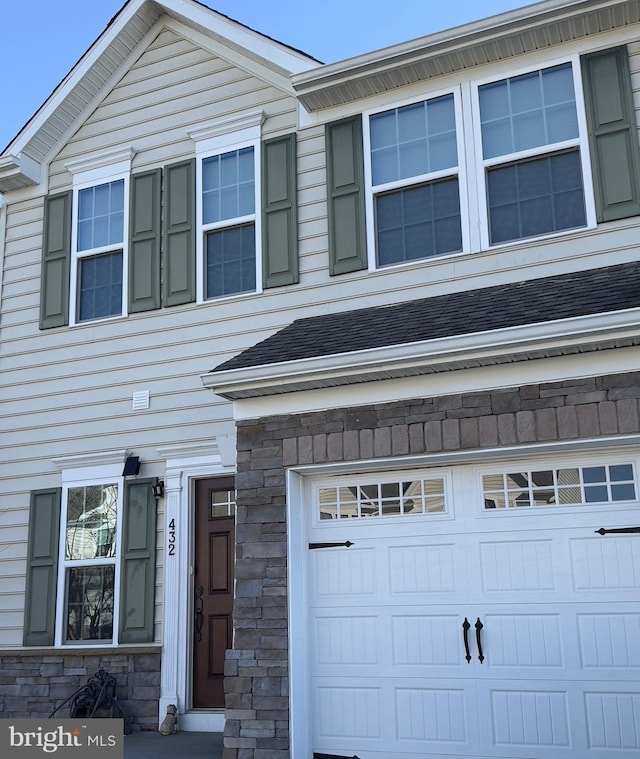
218	44
120	44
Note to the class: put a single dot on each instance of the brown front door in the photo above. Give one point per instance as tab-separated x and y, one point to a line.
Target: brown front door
213	588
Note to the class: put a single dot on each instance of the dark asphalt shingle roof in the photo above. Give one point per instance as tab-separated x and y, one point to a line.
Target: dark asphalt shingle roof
612	288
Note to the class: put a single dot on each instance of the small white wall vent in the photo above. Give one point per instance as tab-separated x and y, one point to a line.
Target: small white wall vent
140	400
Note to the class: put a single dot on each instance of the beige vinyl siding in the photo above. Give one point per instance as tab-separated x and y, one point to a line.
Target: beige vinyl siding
67	391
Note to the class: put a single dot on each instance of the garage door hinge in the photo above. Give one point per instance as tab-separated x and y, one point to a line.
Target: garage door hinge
346	544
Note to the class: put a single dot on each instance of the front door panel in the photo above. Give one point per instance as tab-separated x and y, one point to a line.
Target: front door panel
213	588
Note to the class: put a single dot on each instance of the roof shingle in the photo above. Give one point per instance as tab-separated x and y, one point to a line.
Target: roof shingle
612	288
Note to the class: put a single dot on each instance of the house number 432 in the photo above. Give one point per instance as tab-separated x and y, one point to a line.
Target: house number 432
172	537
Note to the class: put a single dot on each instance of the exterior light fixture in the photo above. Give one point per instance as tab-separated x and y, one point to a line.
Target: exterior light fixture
158	489
131	466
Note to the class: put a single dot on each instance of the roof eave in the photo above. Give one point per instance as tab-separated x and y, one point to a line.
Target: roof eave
494	347
18	171
533	27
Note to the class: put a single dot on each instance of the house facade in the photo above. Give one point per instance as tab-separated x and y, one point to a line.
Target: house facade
321	387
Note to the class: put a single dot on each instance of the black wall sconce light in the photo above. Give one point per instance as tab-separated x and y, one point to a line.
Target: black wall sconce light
131	466
158	489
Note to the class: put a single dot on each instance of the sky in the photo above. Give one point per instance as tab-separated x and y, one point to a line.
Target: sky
41	40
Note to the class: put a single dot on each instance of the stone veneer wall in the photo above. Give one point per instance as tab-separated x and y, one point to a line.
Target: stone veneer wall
34	682
256	686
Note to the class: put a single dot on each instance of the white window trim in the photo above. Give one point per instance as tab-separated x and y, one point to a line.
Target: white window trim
471	168
218	137
458	171
581	142
98	469
96	170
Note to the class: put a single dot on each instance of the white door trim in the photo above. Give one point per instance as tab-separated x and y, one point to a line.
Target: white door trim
184	464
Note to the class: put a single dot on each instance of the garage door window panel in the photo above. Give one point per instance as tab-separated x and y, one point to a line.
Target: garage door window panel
382	499
571	486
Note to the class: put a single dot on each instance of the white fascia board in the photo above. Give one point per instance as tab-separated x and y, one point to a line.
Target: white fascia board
489	29
467	380
447	39
511	341
192	15
77	72
276	53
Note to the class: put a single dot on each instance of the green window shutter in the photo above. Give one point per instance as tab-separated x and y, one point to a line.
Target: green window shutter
144	241
138	563
56	254
345	196
279	212
613	137
42	568
180	234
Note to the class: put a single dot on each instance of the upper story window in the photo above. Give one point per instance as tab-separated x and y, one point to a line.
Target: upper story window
531	152
229	222
99	236
429	196
414	178
228	203
99	251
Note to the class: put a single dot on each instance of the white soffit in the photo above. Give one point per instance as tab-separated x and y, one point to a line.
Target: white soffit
497	38
563	337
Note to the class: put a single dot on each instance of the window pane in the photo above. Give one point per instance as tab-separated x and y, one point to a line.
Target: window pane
89	603
619	472
413	140
101	215
528	111
223	503
100	286
91	522
594	474
418	222
231	261
228	186
535	197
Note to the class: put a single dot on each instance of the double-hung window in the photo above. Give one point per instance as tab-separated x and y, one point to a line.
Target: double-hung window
415	202
91	548
91	556
228	202
229	222
522	171
531	154
99	238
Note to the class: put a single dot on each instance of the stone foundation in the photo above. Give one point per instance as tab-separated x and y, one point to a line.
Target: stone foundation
33	682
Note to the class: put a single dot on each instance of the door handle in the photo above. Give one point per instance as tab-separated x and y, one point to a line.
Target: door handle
479	627
465	637
198	615
603	531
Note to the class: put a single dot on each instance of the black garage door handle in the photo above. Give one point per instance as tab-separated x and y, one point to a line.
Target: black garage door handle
602	530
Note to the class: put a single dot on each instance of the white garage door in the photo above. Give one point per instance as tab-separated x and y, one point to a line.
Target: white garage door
476	613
